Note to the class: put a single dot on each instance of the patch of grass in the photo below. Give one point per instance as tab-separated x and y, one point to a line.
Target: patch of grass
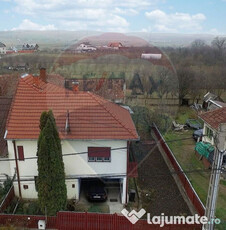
184	153
223	182
28	207
185	113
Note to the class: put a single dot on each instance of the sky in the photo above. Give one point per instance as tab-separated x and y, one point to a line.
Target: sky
153	16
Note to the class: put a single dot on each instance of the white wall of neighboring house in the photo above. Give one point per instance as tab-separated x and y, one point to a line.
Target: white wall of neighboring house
76	166
4	169
2	50
206	138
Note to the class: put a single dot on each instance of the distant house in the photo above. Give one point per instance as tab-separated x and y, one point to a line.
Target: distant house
115	45
85	47
30	46
151	56
98	136
2	48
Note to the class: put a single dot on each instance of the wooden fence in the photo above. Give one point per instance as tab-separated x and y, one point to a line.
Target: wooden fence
7	199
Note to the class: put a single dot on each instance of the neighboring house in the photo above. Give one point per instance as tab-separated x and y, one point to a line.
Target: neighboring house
94	132
111	89
212	121
213	104
209	100
2	48
8	84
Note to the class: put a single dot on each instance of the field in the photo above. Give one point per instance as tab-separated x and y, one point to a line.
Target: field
185	154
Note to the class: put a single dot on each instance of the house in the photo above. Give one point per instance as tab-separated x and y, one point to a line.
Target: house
8	85
213	104
211	101
151	56
212	120
115	45
30	46
96	144
2	48
85	47
108	88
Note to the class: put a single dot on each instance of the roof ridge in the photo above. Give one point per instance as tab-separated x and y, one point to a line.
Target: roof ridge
94	96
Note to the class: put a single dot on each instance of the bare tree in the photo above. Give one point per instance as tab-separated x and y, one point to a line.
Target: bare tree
219	43
198	43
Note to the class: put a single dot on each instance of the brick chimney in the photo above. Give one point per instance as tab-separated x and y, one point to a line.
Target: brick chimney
43	76
75	86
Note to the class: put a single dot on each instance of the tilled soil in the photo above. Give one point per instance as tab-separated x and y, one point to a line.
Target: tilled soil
159	192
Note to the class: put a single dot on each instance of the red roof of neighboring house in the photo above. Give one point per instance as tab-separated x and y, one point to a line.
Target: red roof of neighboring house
214	118
108	88
115	44
90	116
5	103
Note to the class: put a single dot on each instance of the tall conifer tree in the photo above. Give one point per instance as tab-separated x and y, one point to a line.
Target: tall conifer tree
52	193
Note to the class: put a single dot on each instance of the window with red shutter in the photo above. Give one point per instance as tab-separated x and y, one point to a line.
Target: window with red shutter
99	154
20	150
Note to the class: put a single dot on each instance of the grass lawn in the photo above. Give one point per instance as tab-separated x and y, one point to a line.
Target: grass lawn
185	154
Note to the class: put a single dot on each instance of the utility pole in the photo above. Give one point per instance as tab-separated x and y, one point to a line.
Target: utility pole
215	177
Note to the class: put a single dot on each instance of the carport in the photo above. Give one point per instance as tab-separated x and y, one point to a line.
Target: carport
113	187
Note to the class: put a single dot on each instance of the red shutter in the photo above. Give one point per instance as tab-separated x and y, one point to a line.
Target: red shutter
99	152
20	150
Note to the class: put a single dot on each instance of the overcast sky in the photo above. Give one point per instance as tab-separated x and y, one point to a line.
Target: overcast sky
177	16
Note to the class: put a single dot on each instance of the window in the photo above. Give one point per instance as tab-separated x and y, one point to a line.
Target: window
20	150
99	154
107	159
209	133
91	158
25	186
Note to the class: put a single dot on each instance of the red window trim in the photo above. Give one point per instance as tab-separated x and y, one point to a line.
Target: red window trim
20	150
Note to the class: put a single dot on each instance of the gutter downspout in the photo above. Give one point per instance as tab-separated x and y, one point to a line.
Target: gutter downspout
17	168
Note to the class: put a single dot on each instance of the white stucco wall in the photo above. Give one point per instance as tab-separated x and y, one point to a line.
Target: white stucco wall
2	50
205	138
76	166
4	169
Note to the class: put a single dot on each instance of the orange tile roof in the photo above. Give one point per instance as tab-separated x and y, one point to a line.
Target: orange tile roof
214	118
90	116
